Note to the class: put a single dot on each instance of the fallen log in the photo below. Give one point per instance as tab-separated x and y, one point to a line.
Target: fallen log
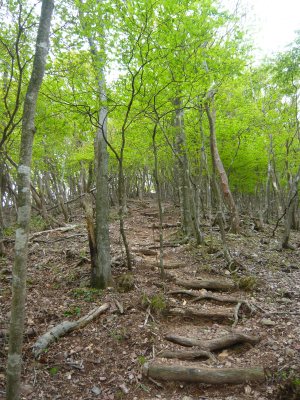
214	284
215	313
215	376
214	344
64	328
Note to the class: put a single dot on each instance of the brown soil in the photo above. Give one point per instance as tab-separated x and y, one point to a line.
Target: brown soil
104	360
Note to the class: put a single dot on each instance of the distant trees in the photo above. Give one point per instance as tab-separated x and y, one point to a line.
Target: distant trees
229	152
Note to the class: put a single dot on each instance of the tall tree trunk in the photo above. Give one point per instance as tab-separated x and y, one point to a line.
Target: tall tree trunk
14	362
183	169
235	219
2	247
159	202
101	269
101	277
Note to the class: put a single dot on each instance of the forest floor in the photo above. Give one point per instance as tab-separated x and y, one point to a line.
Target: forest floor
105	359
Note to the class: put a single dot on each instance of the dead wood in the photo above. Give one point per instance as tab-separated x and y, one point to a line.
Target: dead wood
214	344
203	375
187	355
213	284
215	313
64	328
60	229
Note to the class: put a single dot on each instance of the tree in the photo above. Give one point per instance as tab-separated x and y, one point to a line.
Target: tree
14	363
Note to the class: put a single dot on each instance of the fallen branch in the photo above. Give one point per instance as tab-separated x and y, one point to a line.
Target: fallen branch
214	344
206	284
60	229
203	375
64	328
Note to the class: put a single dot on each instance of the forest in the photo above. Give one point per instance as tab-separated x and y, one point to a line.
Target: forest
149	204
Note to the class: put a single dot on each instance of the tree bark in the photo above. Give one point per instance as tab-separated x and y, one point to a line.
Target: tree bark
235	219
101	271
14	362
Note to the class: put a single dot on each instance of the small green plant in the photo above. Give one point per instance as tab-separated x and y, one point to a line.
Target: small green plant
37	223
248	283
119	334
87	294
157	302
289	387
72	311
9	230
53	371
142	360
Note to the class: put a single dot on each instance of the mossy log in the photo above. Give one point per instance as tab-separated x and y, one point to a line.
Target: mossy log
215	376
64	328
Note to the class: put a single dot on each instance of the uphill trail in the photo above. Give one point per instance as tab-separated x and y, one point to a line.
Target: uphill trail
205	332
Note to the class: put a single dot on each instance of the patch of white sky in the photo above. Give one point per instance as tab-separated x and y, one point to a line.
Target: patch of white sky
271	23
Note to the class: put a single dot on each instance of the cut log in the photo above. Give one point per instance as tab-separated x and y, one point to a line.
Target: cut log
214	344
187	355
214	376
215	313
213	284
64	328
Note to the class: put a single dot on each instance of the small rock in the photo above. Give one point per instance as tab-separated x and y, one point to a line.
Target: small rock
267	322
96	390
187	398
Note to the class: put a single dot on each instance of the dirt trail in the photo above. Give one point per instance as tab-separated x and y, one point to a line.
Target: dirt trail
238	335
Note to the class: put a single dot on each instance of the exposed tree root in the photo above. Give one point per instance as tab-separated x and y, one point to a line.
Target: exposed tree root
203	375
215	313
214	344
205	295
64	328
188	355
213	284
